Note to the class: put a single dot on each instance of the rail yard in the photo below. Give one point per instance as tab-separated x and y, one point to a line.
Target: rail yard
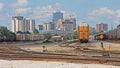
74	52
85	49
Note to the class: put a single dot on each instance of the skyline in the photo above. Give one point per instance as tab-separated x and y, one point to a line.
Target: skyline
92	12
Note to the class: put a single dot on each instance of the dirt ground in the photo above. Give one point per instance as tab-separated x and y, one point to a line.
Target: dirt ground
59	47
48	64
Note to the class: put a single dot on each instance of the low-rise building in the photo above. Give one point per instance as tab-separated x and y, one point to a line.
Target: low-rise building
66	24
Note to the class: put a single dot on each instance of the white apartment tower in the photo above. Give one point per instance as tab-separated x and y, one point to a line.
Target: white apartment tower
30	25
18	24
21	24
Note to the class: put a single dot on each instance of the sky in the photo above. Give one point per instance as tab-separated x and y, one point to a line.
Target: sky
89	11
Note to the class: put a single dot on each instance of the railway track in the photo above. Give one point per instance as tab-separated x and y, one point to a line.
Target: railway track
86	50
14	53
61	57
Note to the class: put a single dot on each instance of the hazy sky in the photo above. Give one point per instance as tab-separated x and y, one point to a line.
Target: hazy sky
90	11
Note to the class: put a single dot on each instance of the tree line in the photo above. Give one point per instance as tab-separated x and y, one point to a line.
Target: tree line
6	35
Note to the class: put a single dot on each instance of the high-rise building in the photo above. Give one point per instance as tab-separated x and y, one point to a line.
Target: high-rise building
74	22
39	27
52	25
65	24
101	27
44	26
48	26
57	16
19	23
30	25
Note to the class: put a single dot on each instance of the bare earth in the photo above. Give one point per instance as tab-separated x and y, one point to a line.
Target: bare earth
43	64
57	47
54	47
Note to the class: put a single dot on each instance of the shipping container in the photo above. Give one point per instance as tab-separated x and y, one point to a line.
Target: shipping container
83	32
28	37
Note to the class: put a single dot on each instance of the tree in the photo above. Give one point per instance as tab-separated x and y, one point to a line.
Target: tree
11	36
6	34
36	32
3	31
47	36
73	36
19	32
118	26
93	32
27	32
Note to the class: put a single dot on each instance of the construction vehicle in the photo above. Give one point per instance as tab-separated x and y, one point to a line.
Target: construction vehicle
83	32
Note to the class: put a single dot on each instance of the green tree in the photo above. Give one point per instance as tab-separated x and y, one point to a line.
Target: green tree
3	31
118	26
73	36
36	32
6	33
19	32
47	36
27	32
93	32
11	35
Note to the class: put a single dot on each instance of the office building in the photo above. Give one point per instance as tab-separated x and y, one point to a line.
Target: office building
39	27
65	24
74	22
48	26
101	27
52	25
57	16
